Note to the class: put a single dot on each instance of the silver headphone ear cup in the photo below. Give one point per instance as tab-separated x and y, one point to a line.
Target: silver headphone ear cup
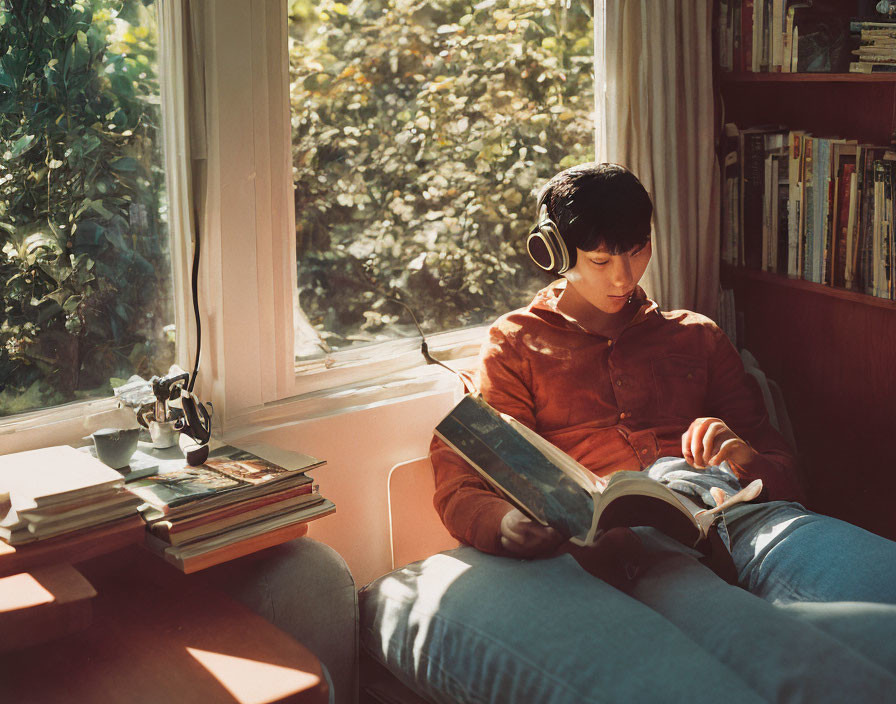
550	232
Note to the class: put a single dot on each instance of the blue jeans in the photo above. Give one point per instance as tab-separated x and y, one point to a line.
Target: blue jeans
814	623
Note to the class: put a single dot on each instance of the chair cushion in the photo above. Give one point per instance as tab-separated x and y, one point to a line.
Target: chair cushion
463	626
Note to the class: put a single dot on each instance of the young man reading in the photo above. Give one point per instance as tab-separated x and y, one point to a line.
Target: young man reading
600	371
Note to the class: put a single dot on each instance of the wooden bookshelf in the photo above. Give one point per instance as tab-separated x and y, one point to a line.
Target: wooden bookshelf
832	352
739	78
731	274
830	349
858	107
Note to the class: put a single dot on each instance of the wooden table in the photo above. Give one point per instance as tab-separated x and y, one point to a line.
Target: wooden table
159	636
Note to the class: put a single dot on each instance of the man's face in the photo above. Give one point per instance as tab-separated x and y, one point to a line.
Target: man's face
607	280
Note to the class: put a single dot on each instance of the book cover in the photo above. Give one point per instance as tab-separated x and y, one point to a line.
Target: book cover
172	489
553	489
54	475
229	475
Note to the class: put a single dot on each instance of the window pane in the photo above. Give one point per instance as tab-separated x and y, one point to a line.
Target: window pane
421	133
85	263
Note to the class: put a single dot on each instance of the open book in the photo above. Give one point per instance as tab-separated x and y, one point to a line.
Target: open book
553	489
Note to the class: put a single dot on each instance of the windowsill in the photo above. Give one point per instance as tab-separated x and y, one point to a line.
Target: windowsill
365	366
397	373
402	385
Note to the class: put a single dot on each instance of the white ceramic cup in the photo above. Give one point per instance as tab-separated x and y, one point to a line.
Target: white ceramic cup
163	434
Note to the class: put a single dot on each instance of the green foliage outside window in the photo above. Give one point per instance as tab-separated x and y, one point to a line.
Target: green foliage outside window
84	268
421	131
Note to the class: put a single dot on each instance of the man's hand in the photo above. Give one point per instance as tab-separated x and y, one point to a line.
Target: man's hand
709	442
524	537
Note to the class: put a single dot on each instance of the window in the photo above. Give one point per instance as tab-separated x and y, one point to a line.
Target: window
421	132
85	267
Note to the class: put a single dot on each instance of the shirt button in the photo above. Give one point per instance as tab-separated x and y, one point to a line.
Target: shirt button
622	415
619	382
643	450
609	343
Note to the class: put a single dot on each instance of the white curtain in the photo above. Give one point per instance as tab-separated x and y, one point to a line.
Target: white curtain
654	115
181	76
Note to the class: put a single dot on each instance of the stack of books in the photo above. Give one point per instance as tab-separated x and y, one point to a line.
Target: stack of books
820	209
58	490
877	47
237	502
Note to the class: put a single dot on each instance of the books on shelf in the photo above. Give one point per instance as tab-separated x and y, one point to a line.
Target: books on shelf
875	50
57	490
235	503
789	36
553	489
815	208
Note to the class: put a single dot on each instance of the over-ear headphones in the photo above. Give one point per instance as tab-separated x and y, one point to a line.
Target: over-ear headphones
546	246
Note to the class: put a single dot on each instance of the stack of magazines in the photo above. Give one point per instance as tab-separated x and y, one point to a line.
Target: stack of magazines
237	502
54	491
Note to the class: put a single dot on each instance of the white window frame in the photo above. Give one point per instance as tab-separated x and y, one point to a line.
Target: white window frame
247	286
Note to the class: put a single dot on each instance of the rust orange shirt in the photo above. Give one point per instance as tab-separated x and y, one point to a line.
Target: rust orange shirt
612	404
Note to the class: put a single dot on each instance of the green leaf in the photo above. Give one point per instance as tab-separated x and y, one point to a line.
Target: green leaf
98	207
125	164
71	304
59	296
22	145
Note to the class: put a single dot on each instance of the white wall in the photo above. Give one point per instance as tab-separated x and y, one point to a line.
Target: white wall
360	448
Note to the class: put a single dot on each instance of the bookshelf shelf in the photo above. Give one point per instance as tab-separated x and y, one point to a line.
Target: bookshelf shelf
742	274
740	78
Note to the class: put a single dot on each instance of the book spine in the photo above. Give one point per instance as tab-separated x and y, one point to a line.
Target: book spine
767	212
887	231
878	208
746	34
753	191
824	213
737	59
866	249
777	35
863	67
845	184
783	224
854	270
807	256
793	203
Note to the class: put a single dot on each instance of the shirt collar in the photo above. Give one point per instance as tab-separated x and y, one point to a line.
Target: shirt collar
547	299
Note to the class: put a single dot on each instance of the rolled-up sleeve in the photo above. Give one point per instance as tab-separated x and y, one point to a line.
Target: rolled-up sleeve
468	506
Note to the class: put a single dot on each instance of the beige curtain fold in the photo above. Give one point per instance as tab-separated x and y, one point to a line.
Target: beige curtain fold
654	114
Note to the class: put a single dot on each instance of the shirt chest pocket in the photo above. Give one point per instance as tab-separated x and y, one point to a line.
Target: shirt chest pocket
680	387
